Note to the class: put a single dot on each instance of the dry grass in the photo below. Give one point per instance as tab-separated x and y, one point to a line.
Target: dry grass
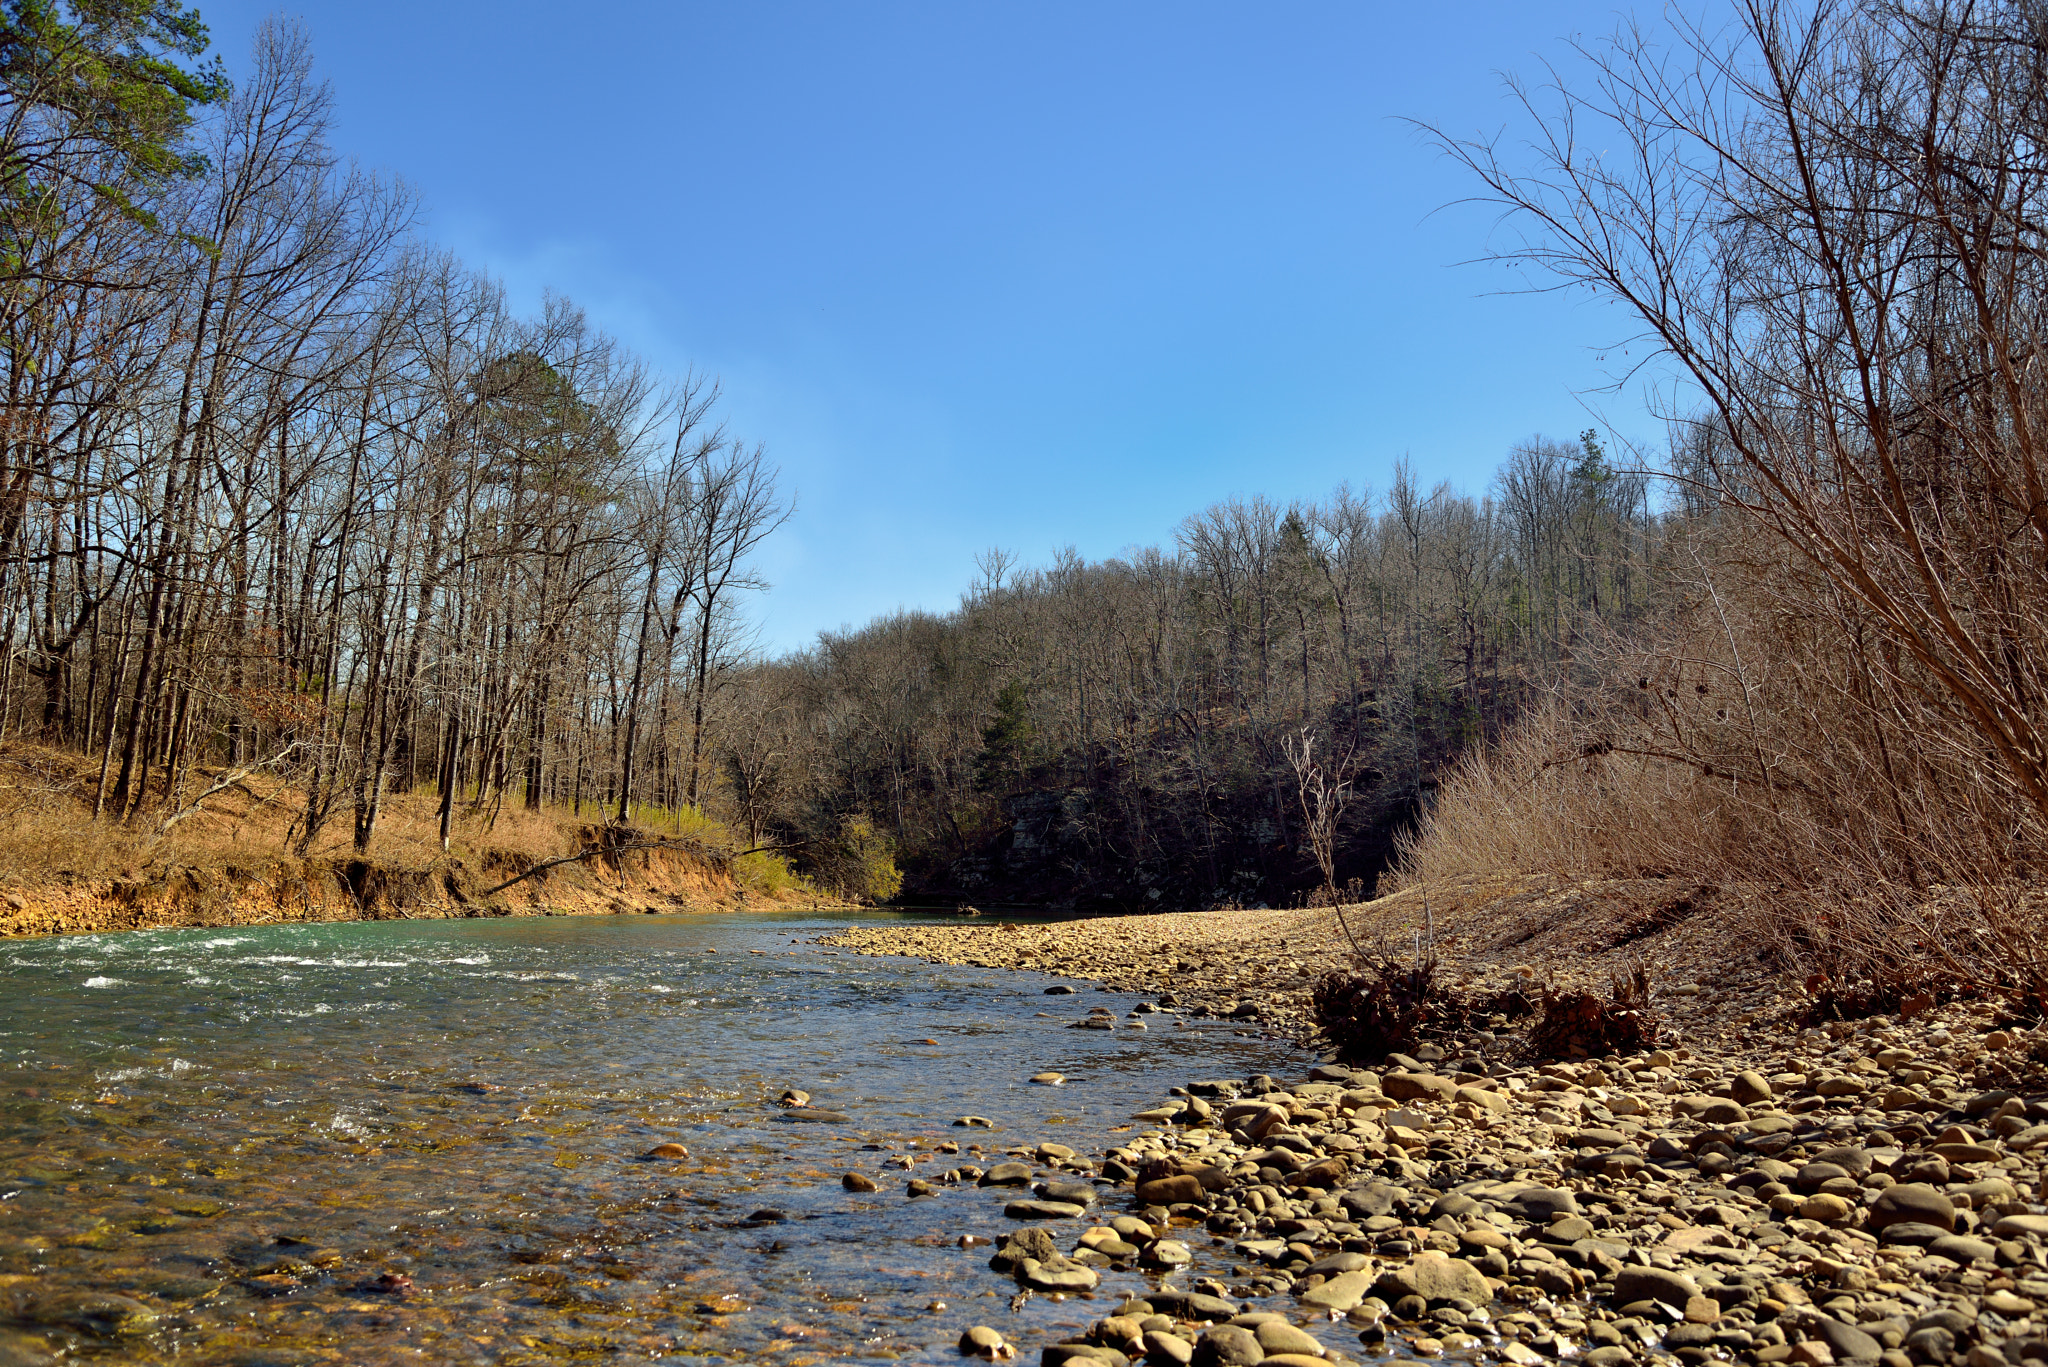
48	834
1746	749
47	829
1536	804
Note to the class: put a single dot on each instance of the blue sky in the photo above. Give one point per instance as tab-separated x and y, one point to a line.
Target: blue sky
977	274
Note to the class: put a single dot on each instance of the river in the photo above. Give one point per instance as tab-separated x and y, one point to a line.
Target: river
232	1145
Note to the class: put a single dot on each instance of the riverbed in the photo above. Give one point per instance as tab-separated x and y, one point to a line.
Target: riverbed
424	1141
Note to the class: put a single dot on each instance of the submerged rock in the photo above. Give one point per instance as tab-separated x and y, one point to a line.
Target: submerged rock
94	1312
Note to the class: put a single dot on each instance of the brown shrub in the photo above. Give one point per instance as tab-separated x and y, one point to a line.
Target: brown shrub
1579	1024
1745	745
1383	1006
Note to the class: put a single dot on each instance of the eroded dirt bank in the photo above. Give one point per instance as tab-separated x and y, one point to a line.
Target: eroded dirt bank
611	881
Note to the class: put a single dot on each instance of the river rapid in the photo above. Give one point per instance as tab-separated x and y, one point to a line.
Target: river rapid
239	1146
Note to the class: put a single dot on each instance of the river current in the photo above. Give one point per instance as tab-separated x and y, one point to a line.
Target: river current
422	1141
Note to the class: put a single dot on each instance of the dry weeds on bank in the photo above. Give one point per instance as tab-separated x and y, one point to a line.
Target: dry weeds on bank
231	860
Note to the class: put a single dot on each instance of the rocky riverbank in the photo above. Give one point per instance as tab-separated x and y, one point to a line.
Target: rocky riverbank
1748	1190
1259	966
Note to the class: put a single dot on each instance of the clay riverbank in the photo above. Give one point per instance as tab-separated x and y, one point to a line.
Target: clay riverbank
650	880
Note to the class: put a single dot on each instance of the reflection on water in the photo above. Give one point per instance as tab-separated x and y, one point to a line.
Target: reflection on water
420	1141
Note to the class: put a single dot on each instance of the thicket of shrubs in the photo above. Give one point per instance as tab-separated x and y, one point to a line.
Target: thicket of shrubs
1823	221
1387	1003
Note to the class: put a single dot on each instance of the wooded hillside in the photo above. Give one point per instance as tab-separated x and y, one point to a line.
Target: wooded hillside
1138	732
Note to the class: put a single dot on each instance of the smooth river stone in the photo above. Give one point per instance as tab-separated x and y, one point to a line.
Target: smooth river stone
1342	1293
1911	1203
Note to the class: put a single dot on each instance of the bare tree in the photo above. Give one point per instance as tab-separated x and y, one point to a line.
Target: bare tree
1324	790
1824	219
735	505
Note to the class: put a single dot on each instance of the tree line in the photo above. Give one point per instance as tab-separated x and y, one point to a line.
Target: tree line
285	490
1141	732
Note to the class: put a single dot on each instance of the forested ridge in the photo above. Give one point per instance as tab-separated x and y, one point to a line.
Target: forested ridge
1806	690
1150	731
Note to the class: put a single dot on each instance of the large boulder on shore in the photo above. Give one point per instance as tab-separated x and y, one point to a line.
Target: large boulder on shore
1911	1203
1418	1087
1674	1289
1435	1277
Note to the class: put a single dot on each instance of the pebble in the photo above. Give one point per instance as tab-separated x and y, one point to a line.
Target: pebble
1825	1207
1278	1336
1167	1253
983	1342
1911	1203
1077	1193
859	1181
1061	1275
1341	1293
1674	1289
1227	1345
1167	1350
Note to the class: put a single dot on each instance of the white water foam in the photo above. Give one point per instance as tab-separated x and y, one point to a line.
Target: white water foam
344	1123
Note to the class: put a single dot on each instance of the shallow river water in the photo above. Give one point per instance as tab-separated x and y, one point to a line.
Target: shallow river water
215	1143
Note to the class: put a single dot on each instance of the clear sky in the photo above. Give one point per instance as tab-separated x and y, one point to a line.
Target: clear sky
1028	274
